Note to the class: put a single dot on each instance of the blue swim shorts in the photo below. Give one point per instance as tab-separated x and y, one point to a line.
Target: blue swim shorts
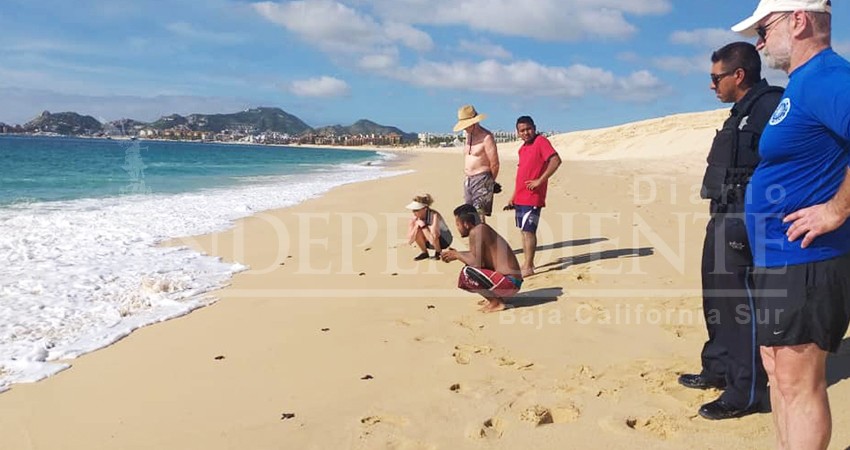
527	218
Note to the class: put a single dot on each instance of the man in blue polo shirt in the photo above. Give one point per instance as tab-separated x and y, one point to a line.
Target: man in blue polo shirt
797	209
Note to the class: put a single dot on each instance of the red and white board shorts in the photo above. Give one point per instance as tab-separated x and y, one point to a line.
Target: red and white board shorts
480	281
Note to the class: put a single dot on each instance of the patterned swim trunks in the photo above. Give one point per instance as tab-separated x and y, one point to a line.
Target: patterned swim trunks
478	192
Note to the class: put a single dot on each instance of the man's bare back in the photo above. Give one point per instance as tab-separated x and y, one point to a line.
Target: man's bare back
493	251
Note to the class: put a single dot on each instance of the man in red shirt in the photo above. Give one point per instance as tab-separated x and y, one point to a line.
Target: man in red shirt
538	160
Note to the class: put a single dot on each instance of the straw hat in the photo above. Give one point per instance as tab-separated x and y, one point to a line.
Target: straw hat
466	116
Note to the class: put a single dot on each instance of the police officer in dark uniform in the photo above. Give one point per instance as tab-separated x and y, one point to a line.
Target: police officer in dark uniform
730	358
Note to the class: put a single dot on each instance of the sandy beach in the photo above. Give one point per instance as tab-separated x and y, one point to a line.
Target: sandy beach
336	339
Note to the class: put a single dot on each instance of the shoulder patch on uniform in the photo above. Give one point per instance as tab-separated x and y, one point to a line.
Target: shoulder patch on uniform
781	111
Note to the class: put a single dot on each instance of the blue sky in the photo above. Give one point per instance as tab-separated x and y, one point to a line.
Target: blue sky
571	64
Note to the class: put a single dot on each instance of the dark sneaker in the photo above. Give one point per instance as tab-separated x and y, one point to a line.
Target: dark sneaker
698	381
719	410
421	256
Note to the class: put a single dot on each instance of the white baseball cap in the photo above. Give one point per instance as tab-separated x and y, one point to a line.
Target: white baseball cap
747	27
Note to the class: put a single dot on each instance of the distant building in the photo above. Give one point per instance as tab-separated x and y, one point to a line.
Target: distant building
436	139
504	136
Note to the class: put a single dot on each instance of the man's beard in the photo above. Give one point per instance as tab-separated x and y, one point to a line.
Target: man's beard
780	58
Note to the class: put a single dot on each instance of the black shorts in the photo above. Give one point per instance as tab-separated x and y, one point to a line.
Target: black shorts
444	244
803	304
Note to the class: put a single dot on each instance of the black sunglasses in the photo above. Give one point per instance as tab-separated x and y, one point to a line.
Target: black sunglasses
716	77
763	29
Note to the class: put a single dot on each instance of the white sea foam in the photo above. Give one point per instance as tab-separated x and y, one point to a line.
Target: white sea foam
77	276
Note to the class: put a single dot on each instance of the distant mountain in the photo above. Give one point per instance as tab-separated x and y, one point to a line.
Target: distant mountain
124	127
250	120
331	130
364	127
69	123
171	121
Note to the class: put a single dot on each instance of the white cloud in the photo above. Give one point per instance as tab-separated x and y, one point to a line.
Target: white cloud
319	87
409	36
484	48
329	25
550	20
683	64
187	30
378	62
712	38
641	86
337	28
531	78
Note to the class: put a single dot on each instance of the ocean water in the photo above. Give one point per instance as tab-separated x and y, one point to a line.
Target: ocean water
80	220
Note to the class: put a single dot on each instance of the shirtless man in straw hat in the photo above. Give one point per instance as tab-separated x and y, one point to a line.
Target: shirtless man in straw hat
481	161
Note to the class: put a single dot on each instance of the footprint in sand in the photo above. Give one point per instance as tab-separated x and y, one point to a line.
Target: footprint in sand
585	379
659	424
537	415
491	429
469	324
608	390
507	361
474	389
658	380
585	372
462	358
385	419
541	415
382	431
663	379
583	275
463	352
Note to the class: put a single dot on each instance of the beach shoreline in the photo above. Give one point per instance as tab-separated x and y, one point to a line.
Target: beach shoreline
86	271
335	338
